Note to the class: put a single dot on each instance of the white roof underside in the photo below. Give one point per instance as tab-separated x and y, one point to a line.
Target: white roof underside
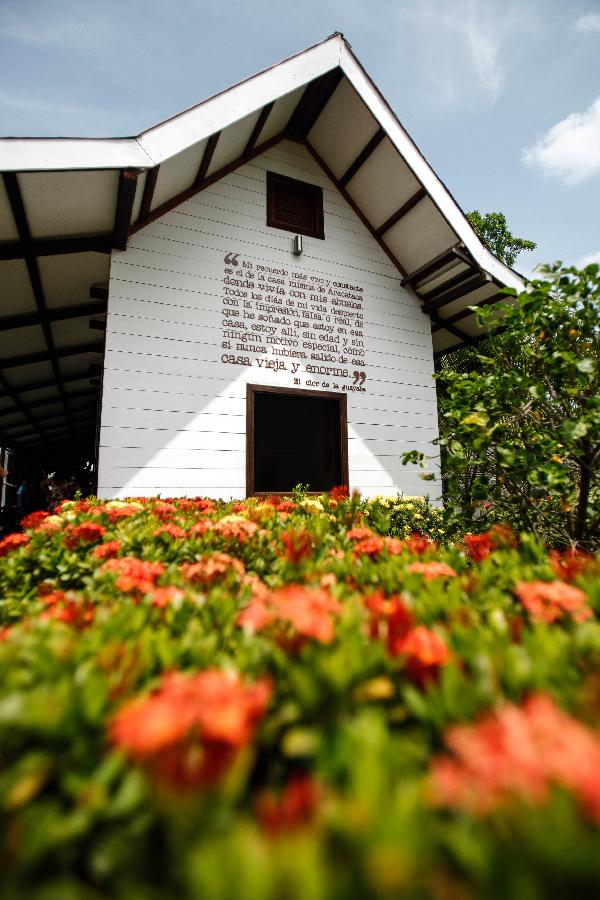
57	248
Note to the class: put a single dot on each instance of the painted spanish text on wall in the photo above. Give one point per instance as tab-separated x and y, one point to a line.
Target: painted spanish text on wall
307	328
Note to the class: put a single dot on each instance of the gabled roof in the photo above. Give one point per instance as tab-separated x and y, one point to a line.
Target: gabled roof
65	203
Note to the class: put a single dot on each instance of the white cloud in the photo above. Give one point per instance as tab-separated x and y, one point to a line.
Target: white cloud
584	261
571	148
589	23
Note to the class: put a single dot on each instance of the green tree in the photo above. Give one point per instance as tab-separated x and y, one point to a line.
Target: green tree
493	231
522	433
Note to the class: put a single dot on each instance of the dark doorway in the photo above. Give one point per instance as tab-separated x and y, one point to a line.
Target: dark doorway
295	437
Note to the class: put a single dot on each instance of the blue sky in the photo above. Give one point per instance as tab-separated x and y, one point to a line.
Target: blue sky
502	96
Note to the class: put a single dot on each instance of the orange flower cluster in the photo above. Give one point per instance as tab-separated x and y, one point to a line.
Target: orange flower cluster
134	575
173	531
86	533
425	653
115	513
189	731
432	569
297	544
309	612
235	529
371	546
164	596
212	568
519	752
293	808
164	512
360	533
13	542
547	601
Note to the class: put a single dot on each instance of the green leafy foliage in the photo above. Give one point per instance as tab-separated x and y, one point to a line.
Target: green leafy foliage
520	418
494	232
369	648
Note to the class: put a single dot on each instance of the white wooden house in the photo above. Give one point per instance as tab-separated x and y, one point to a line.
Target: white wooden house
257	286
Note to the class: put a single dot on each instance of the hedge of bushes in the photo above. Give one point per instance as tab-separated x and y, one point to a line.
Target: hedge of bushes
278	699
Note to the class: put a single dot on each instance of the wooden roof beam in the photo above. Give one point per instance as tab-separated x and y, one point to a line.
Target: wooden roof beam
209	152
462	290
57	246
313	101
11	183
148	193
51	417
469	311
55	314
25	359
47	401
457	332
452	255
125	198
470	342
260	124
362	157
50	382
14	396
400	213
354	206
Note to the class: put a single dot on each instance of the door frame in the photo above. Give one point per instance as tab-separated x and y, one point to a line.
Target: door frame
251	391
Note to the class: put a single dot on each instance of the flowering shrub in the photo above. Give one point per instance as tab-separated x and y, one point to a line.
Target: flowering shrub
299	697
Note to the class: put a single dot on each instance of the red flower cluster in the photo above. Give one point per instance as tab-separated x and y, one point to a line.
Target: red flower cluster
547	601
67	608
86	533
390	619
568	564
191	728
107	551
34	519
298	544
212	568
134	575
360	533
293	808
13	542
339	493
478	546
308	611
519	753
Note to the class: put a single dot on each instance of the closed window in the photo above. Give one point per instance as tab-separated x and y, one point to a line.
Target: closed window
294	205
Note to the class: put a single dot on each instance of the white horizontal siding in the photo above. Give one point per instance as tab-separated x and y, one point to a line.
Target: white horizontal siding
174	415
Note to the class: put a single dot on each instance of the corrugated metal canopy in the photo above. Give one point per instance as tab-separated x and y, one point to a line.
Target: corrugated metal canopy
66	204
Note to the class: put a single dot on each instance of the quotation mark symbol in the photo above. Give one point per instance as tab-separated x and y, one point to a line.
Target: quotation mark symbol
231	259
359	377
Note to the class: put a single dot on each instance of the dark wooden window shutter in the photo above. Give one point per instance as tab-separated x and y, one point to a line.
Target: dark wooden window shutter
294	205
